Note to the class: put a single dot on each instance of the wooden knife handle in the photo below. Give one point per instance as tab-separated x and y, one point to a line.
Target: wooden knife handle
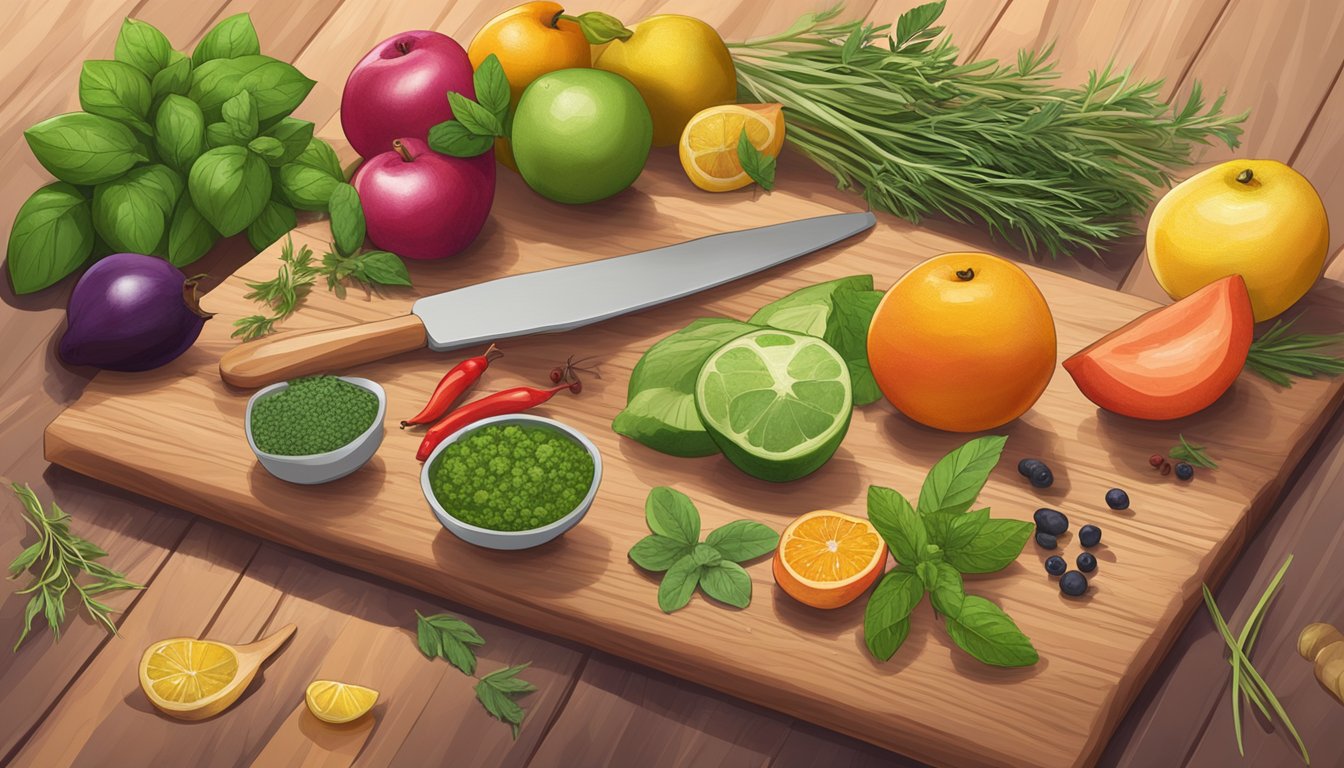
288	355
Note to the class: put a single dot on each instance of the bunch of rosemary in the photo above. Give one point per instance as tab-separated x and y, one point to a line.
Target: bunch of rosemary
1049	167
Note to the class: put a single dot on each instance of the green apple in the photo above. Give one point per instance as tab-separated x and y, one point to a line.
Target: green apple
581	135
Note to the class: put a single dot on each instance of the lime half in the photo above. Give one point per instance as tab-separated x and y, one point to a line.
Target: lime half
777	403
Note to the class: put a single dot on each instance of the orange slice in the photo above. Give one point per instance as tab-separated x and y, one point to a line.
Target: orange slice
708	146
826	559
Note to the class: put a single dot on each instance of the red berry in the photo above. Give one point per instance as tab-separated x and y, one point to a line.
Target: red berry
1156	460
557	373
576	387
1166	468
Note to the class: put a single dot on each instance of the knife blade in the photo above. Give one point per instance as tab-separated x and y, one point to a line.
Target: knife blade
547	301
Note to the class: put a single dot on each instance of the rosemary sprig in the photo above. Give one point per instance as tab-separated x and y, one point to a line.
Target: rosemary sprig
1049	167
1245	679
1194	454
1278	355
60	556
280	295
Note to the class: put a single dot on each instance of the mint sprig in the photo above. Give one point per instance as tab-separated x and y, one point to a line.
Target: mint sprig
760	167
476	123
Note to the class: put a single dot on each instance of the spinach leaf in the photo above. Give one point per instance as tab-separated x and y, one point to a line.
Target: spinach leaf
743	540
347	219
172	79
240	115
116	90
131	213
230	186
142	46
727	582
190	236
229	39
896	521
678	584
657	553
294	135
51	237
276	87
886	618
954	482
268	148
275	220
179	132
977	544
86	149
671	513
983	630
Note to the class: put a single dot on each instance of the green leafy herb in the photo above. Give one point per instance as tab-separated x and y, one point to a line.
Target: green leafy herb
277	88
275	220
456	139
347	219
240	117
230	187
295	136
1279	355
447	637
935	544
52	236
280	295
229	39
142	46
370	268
497	691
475	124
131	213
921	131
173	79
1194	454
80	148
117	90
1245	679
757	165
59	557
190	236
599	28
307	188
674	549
179	132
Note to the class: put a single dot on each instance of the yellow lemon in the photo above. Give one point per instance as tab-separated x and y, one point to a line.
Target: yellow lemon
333	702
1256	218
194	679
680	66
708	146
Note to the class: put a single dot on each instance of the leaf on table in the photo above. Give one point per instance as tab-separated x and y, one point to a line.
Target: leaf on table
743	540
886	618
497	691
955	481
671	513
896	521
447	637
678	584
658	553
728	583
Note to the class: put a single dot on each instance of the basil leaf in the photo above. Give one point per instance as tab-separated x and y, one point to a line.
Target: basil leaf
276	87
756	164
983	630
221	135
305	187
179	132
658	553
230	186
660	412
948	591
131	213
900	527
955	481
928	574
886	618
231	38
274	221
240	115
743	540
143	46
474	117
51	237
382	268
978	544
294	135
190	236
116	90
174	78
728	583
678	584
492	87
671	513
319	155
455	139
347	219
704	554
268	148
84	149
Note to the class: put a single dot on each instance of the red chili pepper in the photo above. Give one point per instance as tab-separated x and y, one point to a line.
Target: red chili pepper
508	401
452	385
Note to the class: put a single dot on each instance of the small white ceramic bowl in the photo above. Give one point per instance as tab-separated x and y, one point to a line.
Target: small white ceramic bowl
484	537
322	467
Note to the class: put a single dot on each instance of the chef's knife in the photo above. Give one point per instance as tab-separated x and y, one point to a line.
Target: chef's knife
547	301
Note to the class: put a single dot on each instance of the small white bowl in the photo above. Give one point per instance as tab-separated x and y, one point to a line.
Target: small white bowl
485	537
322	467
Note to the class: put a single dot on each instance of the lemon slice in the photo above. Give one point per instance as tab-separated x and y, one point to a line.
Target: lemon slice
194	679
708	147
333	702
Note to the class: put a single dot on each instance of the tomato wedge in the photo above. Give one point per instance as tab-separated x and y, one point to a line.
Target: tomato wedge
1173	361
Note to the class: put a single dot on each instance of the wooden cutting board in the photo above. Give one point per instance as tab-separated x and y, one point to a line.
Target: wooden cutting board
176	434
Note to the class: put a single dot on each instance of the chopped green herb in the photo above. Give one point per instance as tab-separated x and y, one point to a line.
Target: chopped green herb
1278	355
314	414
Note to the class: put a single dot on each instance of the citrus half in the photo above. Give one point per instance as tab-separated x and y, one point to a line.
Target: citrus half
708	147
826	559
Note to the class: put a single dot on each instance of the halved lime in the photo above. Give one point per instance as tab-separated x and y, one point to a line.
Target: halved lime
777	403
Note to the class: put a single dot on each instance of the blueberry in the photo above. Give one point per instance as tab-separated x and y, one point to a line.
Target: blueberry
1046	540
1042	477
1051	521
1087	562
1055	565
1184	471
1089	535
1026	466
1073	584
1117	499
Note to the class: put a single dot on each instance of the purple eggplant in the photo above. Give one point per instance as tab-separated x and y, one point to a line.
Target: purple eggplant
130	312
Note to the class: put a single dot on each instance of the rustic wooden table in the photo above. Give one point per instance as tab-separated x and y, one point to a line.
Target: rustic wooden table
73	702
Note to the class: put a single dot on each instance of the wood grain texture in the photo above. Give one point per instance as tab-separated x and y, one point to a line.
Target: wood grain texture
290	355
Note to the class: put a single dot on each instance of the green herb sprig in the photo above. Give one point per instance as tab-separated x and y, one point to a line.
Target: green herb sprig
1245	679
893	112
60	556
1278	355
674	548
935	543
1191	453
476	123
755	163
447	637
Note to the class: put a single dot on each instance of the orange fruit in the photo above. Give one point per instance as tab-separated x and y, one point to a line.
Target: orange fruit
708	147
826	559
963	342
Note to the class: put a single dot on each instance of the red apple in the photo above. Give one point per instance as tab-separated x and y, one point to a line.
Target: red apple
423	205
400	88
